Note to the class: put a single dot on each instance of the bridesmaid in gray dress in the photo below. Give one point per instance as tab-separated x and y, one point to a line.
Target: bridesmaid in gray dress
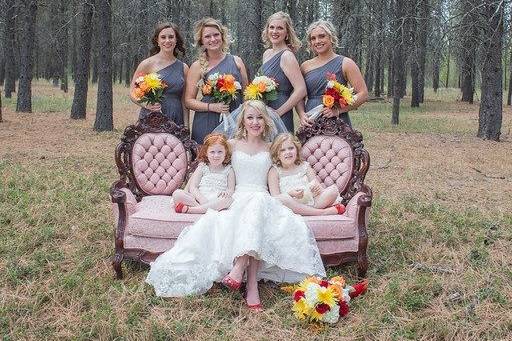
280	63
167	43
322	39
212	39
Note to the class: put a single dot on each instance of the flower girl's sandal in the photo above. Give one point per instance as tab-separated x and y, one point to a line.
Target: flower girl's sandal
230	283
181	208
340	208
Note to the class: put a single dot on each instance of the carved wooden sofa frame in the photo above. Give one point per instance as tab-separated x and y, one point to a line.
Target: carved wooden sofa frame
156	156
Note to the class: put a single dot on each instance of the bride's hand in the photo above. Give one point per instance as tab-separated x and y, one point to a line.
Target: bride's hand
220	108
225	194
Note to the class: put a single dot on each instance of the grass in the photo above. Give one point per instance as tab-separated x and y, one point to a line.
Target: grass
440	235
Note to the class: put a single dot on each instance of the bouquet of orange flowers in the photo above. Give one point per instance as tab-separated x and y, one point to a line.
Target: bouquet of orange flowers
319	300
149	88
222	87
263	88
336	94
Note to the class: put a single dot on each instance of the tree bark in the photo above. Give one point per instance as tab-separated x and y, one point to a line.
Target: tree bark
252	50
398	58
63	37
78	109
491	105
29	14
104	107
422	42
468	43
9	48
509	95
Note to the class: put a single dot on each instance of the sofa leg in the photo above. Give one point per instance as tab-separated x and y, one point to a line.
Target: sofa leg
362	265
116	263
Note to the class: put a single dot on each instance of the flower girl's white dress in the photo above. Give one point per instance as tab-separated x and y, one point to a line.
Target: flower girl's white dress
255	224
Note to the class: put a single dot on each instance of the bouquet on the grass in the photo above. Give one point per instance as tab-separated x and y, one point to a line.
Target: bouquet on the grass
319	300
149	88
263	88
222	87
335	95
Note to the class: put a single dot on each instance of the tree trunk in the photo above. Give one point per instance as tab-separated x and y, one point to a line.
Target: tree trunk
436	69
1	107
423	27
446	83
468	43
78	109
509	96
252	50
9	48
104	107
491	105
398	58
29	14
377	88
64	36
414	56
390	72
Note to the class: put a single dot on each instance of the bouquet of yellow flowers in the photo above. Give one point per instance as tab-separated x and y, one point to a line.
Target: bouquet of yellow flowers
149	88
319	300
263	88
222	87
336	94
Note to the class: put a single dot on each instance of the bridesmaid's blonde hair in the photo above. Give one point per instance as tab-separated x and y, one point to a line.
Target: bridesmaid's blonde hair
292	41
277	144
199	26
328	27
241	132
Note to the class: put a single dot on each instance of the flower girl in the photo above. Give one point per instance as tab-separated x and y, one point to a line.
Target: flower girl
294	182
212	183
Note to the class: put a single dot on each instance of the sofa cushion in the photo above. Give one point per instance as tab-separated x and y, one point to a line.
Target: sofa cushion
155	226
332	159
159	163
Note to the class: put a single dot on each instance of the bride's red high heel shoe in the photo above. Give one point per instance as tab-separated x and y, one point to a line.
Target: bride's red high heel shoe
230	283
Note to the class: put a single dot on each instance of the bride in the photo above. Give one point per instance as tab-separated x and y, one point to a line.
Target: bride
256	238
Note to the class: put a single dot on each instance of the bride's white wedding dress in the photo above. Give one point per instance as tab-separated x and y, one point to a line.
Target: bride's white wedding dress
255	224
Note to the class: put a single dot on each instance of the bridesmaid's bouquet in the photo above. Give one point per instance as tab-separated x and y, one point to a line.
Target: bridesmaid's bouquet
263	88
319	300
149	88
336	94
222	87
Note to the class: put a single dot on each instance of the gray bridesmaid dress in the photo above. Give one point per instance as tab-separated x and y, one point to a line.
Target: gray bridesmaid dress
316	81
272	68
206	121
174	76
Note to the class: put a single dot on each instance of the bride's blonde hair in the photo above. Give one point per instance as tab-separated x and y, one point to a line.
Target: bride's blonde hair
241	132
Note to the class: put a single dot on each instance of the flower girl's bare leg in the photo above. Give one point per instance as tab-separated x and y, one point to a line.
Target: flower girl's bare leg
253	295
327	197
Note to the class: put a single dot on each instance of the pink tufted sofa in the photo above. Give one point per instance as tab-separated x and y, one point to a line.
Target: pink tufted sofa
156	156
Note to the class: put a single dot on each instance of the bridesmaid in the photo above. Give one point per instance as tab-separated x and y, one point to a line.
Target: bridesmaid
280	63
322	39
212	39
167	43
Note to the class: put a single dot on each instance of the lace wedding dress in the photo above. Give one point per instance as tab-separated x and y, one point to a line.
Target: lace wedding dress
255	224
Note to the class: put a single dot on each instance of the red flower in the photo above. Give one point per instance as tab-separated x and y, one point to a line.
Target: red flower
220	83
324	283
343	308
322	308
297	295
332	92
359	288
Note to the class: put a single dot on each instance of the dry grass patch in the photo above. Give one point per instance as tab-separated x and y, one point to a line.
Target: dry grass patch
440	265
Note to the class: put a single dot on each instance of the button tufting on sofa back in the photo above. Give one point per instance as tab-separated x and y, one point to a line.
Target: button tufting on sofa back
331	158
159	163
